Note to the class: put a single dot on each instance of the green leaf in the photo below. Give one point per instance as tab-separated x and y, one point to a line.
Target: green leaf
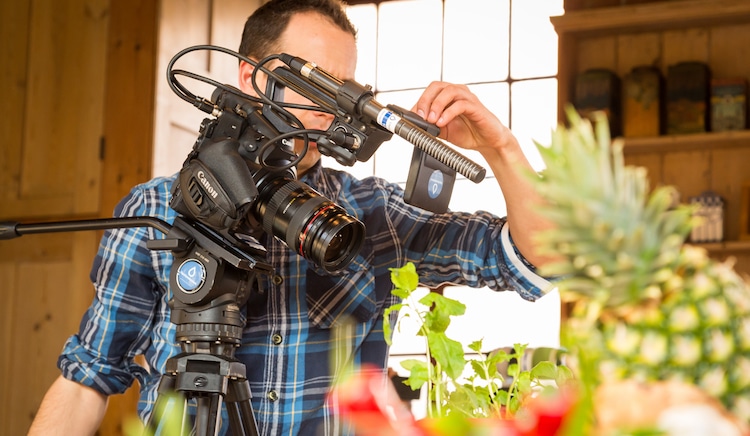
436	321
387	331
469	401
401	293
564	375
476	346
513	369
405	279
545	370
501	397
418	374
443	304
523	382
441	308
448	353
513	405
478	367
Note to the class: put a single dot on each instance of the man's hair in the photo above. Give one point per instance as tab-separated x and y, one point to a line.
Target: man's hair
264	27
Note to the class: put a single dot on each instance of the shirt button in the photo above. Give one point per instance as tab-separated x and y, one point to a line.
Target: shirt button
277	339
273	395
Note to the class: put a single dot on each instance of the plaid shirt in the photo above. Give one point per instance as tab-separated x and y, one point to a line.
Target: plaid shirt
288	336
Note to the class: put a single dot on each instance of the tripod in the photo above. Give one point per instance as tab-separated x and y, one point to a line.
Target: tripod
211	280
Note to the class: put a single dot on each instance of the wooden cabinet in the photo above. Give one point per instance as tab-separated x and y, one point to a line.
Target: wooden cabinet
662	34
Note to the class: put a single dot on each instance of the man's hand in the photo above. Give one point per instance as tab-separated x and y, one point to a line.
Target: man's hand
463	120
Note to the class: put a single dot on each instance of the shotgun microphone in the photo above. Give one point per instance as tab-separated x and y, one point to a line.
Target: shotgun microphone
359	100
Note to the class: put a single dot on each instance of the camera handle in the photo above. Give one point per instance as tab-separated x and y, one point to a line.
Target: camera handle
211	280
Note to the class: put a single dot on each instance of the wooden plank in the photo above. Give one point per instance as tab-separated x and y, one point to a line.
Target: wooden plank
652	16
684	45
688	171
61	143
567	47
43	247
44	298
41	311
130	99
87	49
639	49
729	52
653	163
697	141
8	282
597	53
729	172
14	21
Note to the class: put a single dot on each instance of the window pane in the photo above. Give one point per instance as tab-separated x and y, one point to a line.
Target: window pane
470	197
534	115
495	97
365	18
476	41
533	50
403	60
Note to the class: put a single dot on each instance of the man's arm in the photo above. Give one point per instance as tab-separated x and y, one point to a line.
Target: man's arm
69	408
464	121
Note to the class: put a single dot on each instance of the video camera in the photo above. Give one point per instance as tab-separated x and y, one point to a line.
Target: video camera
240	176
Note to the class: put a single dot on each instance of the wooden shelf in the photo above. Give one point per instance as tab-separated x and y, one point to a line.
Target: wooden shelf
726	247
661	34
692	142
650	16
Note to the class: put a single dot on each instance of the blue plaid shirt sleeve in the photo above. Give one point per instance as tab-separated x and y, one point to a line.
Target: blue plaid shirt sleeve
129	305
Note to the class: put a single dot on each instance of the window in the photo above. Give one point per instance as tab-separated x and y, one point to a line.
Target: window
506	52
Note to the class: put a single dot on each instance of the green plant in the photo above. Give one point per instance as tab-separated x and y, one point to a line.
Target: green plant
456	385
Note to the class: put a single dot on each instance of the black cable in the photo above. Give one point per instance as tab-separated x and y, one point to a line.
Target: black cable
280	109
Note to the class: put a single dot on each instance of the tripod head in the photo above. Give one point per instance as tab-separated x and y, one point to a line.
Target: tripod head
211	280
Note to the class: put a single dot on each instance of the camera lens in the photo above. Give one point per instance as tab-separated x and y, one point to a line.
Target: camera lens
309	223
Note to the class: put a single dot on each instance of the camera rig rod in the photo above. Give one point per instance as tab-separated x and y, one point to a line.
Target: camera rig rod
10	230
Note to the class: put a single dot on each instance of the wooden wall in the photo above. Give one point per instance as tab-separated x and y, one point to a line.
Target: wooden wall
76	132
85	96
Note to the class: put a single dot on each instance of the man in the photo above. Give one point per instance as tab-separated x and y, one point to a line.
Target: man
287	341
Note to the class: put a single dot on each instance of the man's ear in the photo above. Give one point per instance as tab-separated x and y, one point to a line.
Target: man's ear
246	78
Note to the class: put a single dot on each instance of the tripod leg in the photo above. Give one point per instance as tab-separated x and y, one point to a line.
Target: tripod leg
241	417
207	416
169	415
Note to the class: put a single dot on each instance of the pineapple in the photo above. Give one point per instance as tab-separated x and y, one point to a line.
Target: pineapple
643	304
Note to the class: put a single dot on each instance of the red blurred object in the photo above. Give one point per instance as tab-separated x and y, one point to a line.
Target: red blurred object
544	415
369	402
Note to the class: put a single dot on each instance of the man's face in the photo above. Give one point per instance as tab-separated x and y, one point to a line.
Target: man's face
313	38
